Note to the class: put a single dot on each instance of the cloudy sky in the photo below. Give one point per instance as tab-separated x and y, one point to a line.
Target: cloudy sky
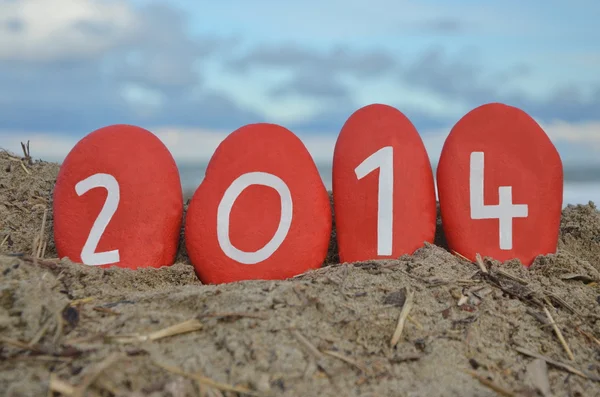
193	71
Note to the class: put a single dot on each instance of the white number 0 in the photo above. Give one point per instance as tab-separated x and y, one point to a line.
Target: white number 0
505	211
224	211
88	254
384	160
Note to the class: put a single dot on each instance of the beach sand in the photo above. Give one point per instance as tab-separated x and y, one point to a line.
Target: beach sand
76	329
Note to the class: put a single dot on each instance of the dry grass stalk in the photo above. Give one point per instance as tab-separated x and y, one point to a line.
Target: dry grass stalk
558	364
512	277
480	263
346	359
24	168
589	336
232	314
52	359
402	319
206	381
13	158
461	256
91	377
564	304
106	310
559	334
4	240
177	329
81	301
59	325
415	323
41	242
34	245
311	348
26	152
60	386
19	344
491	385
44	328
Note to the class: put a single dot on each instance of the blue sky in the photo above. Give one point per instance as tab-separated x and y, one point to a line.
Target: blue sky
193	71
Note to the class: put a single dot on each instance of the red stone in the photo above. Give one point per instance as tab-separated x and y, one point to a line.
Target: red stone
256	213
409	192
516	154
141	209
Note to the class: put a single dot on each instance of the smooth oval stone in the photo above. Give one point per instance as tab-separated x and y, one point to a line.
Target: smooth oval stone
500	185
118	200
383	186
262	210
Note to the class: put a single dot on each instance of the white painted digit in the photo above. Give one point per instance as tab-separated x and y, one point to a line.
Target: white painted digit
384	160
89	256
224	212
505	211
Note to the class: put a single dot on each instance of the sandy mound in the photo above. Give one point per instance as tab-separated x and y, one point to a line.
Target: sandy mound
323	333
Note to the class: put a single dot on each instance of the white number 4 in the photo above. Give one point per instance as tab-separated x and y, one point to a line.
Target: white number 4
89	256
505	211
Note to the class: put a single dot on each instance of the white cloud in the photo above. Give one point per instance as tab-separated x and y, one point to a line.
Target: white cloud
198	144
585	133
47	30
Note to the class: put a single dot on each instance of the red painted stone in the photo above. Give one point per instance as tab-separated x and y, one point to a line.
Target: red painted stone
140	209
264	237
521	164
380	165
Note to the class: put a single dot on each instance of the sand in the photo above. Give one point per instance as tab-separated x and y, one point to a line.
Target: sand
79	329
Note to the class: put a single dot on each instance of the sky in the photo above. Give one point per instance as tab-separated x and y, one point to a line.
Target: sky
193	71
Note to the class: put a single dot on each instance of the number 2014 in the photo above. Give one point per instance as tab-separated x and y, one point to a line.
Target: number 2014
263	212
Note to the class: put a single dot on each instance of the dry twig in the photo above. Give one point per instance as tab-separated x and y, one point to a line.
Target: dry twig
60	386
480	263
41	241
233	315
43	329
402	319
91	377
559	334
24	168
81	301
26	152
311	348
177	329
589	336
345	359
512	277
558	364
461	256
491	385
19	344
206	381
4	240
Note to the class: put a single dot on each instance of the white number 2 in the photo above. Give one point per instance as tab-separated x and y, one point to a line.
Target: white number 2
89	256
505	211
384	160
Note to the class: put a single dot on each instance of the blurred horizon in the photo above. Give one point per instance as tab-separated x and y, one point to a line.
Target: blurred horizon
194	71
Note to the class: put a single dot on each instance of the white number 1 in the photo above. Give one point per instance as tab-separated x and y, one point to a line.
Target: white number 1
88	254
384	160
505	211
